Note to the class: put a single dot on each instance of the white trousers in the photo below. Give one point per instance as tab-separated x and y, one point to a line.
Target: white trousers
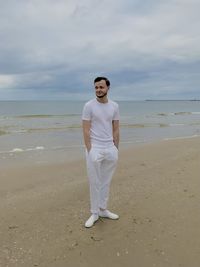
101	164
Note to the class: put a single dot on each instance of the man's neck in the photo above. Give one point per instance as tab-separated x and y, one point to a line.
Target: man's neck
102	100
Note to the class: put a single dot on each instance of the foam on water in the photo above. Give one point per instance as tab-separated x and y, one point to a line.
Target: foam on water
19	150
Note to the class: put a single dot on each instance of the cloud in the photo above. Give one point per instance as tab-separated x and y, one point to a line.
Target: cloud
55	48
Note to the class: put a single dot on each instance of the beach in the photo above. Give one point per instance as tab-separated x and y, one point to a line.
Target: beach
155	190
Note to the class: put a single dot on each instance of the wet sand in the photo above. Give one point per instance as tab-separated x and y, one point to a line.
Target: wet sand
155	190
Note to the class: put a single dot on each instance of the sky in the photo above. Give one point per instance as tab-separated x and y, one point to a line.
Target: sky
53	49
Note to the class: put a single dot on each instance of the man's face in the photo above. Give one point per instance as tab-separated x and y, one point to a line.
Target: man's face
101	88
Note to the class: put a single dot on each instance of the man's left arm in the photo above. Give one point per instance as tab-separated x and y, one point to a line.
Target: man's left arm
115	126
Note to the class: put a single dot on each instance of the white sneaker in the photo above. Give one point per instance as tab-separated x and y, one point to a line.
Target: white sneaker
108	214
90	222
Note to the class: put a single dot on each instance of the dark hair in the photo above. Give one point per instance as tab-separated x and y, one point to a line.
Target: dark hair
98	79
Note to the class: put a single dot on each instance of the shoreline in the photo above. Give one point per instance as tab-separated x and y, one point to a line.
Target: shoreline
155	190
40	155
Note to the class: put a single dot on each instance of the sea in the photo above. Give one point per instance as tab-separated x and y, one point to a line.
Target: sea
43	132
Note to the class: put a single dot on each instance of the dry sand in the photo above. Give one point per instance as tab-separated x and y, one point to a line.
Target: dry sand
155	190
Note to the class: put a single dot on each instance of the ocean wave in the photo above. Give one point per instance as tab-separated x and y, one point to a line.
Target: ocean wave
180	113
195	113
158	125
17	150
164	114
32	130
2	132
20	150
69	127
78	127
183	113
3	117
44	116
143	125
37	116
176	124
38	148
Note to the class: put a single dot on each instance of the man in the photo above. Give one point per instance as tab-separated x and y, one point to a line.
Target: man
101	136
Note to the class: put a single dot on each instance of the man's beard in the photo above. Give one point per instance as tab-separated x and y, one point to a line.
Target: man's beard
101	96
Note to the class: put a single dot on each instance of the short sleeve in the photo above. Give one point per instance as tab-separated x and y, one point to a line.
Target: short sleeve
86	114
116	113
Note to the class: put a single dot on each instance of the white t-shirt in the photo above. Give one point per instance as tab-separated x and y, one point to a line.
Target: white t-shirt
101	116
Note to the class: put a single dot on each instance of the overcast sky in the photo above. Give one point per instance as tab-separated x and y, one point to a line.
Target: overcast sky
53	49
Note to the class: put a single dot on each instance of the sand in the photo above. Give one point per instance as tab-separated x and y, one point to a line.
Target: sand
155	190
